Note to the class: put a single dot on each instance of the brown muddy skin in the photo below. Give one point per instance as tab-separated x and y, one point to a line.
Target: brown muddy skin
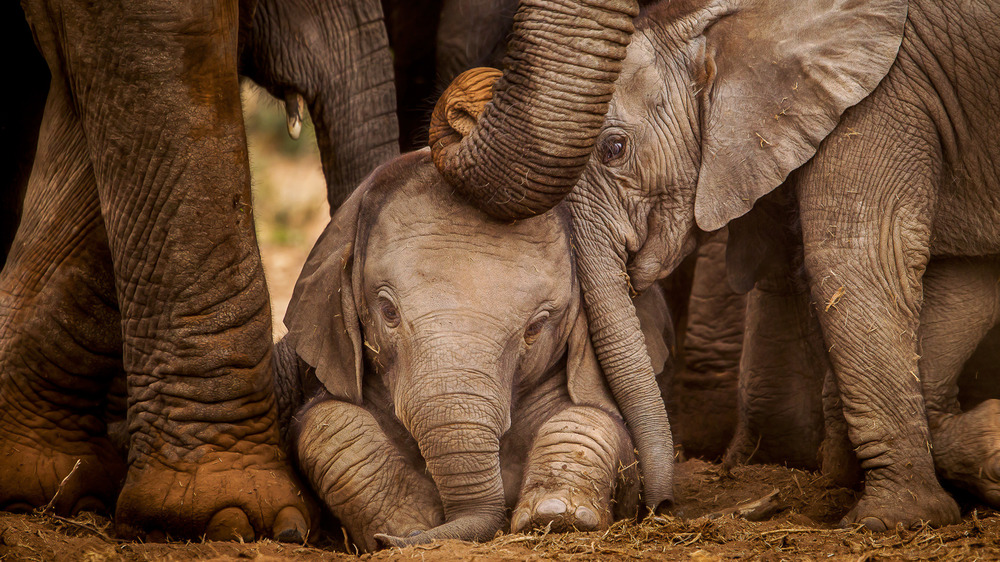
478	392
884	131
136	258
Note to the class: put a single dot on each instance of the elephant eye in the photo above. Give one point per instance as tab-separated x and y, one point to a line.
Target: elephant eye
389	312
533	329
614	148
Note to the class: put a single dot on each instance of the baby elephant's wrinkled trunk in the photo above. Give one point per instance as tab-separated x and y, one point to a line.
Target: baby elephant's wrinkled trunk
457	422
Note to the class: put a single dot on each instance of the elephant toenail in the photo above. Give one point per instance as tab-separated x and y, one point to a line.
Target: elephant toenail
551	507
586	518
290	526
17	507
874	524
229	524
519	522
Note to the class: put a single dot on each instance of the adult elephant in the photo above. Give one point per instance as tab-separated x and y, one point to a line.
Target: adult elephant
878	118
137	254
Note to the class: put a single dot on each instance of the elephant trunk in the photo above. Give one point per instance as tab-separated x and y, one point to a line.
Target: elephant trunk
459	437
533	140
335	58
621	350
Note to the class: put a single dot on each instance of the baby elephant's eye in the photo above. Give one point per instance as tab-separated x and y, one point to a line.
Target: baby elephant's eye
389	312
533	329
614	148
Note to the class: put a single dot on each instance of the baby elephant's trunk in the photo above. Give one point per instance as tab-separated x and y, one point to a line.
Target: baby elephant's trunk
459	436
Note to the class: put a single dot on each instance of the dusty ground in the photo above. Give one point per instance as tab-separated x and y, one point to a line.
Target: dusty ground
291	212
803	528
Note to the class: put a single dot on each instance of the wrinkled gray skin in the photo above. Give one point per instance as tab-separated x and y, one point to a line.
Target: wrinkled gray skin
478	390
889	130
136	256
959	378
702	395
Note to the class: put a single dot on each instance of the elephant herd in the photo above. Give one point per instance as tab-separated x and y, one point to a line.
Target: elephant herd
484	335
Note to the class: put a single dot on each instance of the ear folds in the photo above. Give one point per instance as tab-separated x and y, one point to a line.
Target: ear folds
322	318
784	72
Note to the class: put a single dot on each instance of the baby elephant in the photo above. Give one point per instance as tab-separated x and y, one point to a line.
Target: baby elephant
458	377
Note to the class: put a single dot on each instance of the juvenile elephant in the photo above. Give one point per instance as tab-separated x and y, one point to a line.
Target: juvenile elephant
135	268
878	118
458	376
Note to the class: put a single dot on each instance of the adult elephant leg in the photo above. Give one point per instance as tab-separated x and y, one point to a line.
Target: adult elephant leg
335	55
60	341
705	394
961	304
866	206
157	92
361	475
780	413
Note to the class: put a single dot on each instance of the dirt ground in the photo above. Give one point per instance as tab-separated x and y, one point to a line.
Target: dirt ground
291	212
802	528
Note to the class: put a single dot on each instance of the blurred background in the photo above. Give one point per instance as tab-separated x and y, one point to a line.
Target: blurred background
289	194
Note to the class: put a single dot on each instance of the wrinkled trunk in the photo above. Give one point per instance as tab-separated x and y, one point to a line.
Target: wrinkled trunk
535	137
336	56
620	348
461	446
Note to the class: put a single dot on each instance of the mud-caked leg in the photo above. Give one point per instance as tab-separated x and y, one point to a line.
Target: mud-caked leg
961	304
156	89
361	475
581	473
60	339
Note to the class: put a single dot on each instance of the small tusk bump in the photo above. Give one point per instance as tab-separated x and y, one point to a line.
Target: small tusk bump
294	106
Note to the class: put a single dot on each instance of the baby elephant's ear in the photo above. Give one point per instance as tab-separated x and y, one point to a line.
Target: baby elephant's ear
322	319
584	376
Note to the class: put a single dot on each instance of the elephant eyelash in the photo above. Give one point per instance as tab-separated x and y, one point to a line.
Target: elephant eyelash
388	311
533	330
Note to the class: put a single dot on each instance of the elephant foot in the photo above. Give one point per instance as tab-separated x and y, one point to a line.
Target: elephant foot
565	509
580	460
65	477
883	507
967	449
224	496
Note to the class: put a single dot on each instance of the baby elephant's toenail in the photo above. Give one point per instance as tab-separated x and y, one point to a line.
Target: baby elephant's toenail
551	507
586	518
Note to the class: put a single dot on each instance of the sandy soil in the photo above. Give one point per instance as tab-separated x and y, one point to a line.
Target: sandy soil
803	527
291	212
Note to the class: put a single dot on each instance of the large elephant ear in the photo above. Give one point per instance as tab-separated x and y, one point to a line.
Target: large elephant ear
779	75
322	317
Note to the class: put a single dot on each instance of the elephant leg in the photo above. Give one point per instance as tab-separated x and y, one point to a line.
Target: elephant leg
581	472
336	56
961	304
60	341
780	413
866	204
361	475
157	93
706	389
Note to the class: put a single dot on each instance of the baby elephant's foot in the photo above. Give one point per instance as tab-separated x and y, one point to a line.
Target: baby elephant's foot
967	450
580	460
565	509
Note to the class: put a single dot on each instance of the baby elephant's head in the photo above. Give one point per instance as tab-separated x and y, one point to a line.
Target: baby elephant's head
454	312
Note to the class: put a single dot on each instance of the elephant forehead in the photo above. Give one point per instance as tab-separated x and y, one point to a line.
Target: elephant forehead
446	247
